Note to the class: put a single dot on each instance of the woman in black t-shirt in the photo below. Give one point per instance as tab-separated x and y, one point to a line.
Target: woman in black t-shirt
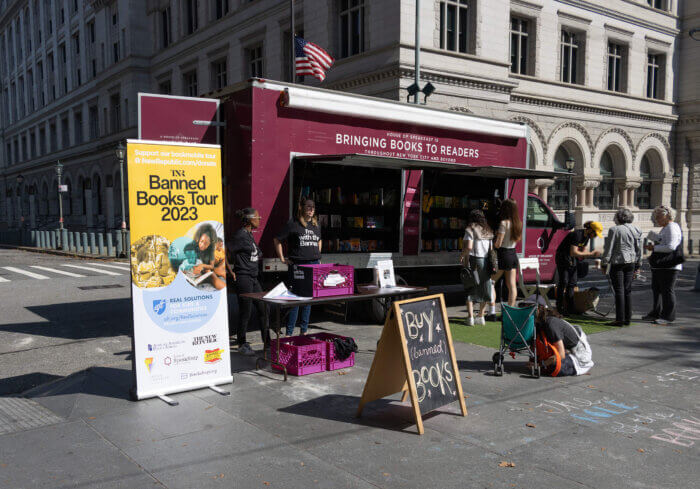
303	238
243	265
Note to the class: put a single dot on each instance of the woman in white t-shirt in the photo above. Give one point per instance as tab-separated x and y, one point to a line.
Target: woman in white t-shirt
477	242
509	233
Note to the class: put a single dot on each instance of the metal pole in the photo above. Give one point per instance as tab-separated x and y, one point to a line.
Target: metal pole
293	59
59	173
417	52
123	230
570	188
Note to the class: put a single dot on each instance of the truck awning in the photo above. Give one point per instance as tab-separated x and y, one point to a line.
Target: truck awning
410	164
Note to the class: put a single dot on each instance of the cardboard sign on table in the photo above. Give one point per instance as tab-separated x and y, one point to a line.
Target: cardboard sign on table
415	356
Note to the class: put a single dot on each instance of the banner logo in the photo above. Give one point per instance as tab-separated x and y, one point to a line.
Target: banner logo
213	356
203	340
159	306
149	363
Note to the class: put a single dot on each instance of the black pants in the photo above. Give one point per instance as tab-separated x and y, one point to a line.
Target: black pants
568	279
244	285
663	283
621	278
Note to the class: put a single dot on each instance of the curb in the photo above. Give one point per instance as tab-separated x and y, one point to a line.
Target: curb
63	253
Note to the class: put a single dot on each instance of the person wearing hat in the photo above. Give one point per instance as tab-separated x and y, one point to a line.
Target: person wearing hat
570	251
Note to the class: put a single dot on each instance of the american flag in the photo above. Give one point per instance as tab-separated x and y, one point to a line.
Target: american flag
311	59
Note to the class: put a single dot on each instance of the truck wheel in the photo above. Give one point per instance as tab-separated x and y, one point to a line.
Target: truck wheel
378	307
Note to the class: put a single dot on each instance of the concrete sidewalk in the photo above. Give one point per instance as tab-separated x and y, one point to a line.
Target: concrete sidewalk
633	422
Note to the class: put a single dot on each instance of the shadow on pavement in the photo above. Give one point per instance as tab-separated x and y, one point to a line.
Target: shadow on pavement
21	383
78	320
96	381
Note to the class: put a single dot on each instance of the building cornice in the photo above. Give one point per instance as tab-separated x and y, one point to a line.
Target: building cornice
613	14
590	108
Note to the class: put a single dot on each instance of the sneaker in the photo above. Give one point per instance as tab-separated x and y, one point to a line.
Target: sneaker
470	321
650	317
246	350
481	321
616	323
491	317
661	321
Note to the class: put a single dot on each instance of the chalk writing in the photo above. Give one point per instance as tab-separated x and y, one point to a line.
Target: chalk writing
429	354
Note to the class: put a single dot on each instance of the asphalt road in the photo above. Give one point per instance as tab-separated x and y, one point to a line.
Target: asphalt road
60	315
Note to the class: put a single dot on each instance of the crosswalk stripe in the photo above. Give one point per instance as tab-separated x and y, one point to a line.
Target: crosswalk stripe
123	268
90	269
53	270
3	280
25	272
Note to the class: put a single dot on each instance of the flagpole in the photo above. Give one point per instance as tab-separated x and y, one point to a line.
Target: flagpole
292	63
417	50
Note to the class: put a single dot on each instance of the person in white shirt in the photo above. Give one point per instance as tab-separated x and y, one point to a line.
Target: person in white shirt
477	242
663	280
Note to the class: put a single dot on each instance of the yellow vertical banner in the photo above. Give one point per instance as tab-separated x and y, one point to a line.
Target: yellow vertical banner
178	273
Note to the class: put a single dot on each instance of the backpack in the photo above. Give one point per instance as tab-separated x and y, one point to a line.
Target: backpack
546	350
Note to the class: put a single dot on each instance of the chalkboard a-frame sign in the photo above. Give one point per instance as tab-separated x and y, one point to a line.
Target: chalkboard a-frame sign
415	356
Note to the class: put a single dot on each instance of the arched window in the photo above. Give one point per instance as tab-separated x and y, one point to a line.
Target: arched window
85	188
44	201
643	195
67	197
558	196
96	195
604	194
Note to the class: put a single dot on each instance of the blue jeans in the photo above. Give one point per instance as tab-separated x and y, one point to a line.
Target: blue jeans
294	311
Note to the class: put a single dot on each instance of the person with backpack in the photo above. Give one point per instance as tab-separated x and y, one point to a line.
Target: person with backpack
477	241
623	256
571	353
666	263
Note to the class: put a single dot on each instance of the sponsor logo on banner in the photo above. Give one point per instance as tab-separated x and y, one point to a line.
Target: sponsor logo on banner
167	361
170	345
159	306
180	359
203	340
149	363
213	356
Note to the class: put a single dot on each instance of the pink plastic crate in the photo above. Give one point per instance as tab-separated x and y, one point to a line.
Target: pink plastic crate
300	354
332	362
324	280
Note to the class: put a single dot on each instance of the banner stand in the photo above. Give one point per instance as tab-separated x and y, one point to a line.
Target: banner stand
178	273
169	400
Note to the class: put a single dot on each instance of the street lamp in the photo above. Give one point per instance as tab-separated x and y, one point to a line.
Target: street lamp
570	164
121	154
20	180
59	174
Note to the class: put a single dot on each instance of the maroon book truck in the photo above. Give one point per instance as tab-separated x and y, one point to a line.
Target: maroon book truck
390	180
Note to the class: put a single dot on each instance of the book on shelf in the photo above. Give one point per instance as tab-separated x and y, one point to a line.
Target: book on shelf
335	221
323	221
374	222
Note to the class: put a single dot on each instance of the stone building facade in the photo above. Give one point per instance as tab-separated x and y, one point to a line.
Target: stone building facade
597	81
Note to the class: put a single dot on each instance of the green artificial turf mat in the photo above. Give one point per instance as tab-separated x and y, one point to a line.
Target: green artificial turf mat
489	334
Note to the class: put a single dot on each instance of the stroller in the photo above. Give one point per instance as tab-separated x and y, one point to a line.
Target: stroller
517	337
